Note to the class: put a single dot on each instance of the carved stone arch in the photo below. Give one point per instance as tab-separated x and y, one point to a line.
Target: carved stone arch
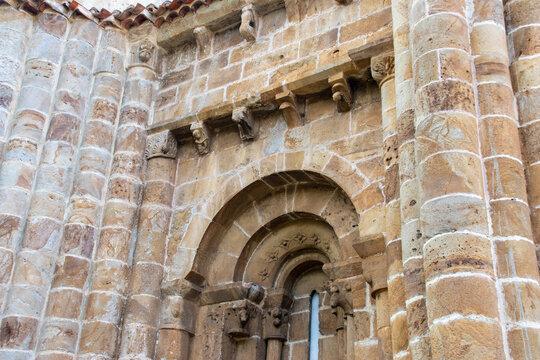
311	166
252	213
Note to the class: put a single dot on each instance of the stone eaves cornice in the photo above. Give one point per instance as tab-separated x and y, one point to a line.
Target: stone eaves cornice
131	16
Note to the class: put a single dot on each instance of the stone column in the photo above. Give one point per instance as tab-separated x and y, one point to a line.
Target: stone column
15	27
275	322
140	327
384	332
110	276
516	269
411	251
382	70
462	300
523	30
63	312
34	266
23	151
179	311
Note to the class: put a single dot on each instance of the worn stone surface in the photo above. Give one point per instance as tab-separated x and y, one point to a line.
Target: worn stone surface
206	184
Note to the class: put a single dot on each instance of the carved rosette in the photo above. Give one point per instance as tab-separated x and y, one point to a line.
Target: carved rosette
162	144
382	68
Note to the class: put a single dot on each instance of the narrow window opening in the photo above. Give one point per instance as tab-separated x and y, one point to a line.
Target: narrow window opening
314	332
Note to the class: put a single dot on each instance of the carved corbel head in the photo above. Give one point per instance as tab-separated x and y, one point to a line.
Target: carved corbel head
203	38
163	144
248	27
144	53
243	117
341	92
276	315
200	137
341	296
288	104
382	68
236	320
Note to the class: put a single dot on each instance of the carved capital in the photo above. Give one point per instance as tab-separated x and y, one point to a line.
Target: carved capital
203	38
163	144
243	117
287	104
248	27
200	137
237	318
144	53
341	92
382	68
341	295
276	314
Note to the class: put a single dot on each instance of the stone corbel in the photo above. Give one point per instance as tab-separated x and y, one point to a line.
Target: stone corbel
245	121
162	144
203	38
248	27
144	53
288	104
382	68
341	92
200	137
372	249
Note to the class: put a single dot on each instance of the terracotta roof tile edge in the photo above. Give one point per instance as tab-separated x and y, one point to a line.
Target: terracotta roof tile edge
131	16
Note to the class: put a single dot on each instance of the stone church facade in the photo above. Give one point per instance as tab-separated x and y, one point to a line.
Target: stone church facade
270	179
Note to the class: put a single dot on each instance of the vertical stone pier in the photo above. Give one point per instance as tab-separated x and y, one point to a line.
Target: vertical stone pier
461	292
139	331
110	277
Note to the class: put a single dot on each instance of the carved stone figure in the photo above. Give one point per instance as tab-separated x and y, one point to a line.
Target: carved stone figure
145	52
243	117
248	27
200	137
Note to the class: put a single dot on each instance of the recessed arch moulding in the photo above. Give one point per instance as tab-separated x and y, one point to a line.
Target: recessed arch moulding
265	237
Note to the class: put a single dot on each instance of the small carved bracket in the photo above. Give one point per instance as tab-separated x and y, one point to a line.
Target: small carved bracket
144	53
200	137
341	92
341	295
236	319
245	121
248	27
276	314
163	144
203	38
289	106
382	68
